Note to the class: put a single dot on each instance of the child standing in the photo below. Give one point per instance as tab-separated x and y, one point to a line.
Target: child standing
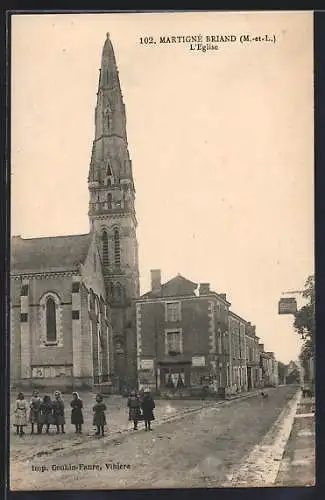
34	414
46	414
58	412
134	405
99	415
148	406
77	418
20	415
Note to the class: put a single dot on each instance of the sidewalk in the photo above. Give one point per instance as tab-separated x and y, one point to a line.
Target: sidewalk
297	467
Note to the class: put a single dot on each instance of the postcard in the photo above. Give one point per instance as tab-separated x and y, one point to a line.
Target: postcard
162	250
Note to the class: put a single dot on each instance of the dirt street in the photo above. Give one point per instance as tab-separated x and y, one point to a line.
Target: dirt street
199	450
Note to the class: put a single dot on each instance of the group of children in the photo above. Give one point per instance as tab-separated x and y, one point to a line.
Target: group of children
141	408
47	412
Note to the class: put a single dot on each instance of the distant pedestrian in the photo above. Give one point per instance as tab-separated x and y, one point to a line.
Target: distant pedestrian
46	415
77	418
99	419
35	410
20	414
58	412
134	405
148	405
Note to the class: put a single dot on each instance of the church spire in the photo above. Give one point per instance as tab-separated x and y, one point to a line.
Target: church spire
109	78
111	208
110	155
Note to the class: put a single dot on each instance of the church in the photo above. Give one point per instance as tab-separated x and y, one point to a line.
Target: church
72	297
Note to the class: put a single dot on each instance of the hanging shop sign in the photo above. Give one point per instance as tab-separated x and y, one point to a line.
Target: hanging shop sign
287	306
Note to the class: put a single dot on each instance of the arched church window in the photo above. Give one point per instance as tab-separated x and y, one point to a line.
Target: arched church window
118	290
97	308
111	290
105	247
117	248
107	114
108	170
109	200
50	320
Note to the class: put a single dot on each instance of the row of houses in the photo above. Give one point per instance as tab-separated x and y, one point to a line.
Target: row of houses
189	338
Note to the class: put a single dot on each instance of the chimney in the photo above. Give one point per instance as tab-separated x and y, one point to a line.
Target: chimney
155	280
204	288
223	296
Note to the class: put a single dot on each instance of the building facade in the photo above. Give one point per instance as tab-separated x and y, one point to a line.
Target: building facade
182	336
252	358
237	329
72	312
189	338
269	368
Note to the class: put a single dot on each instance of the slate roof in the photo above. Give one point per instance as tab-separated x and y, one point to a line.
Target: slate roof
52	253
177	286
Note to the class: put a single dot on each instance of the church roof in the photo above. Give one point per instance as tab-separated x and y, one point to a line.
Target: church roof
53	253
176	287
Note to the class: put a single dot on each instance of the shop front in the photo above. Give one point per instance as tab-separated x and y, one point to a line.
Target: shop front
175	376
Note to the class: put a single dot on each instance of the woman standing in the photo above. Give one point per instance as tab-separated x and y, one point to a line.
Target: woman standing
148	406
77	418
20	415
134	406
99	415
58	412
34	414
46	415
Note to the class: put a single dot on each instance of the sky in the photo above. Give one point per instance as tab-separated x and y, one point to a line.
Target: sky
221	144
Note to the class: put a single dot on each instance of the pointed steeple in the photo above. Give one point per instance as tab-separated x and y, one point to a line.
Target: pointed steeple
110	144
110	174
108	72
112	207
